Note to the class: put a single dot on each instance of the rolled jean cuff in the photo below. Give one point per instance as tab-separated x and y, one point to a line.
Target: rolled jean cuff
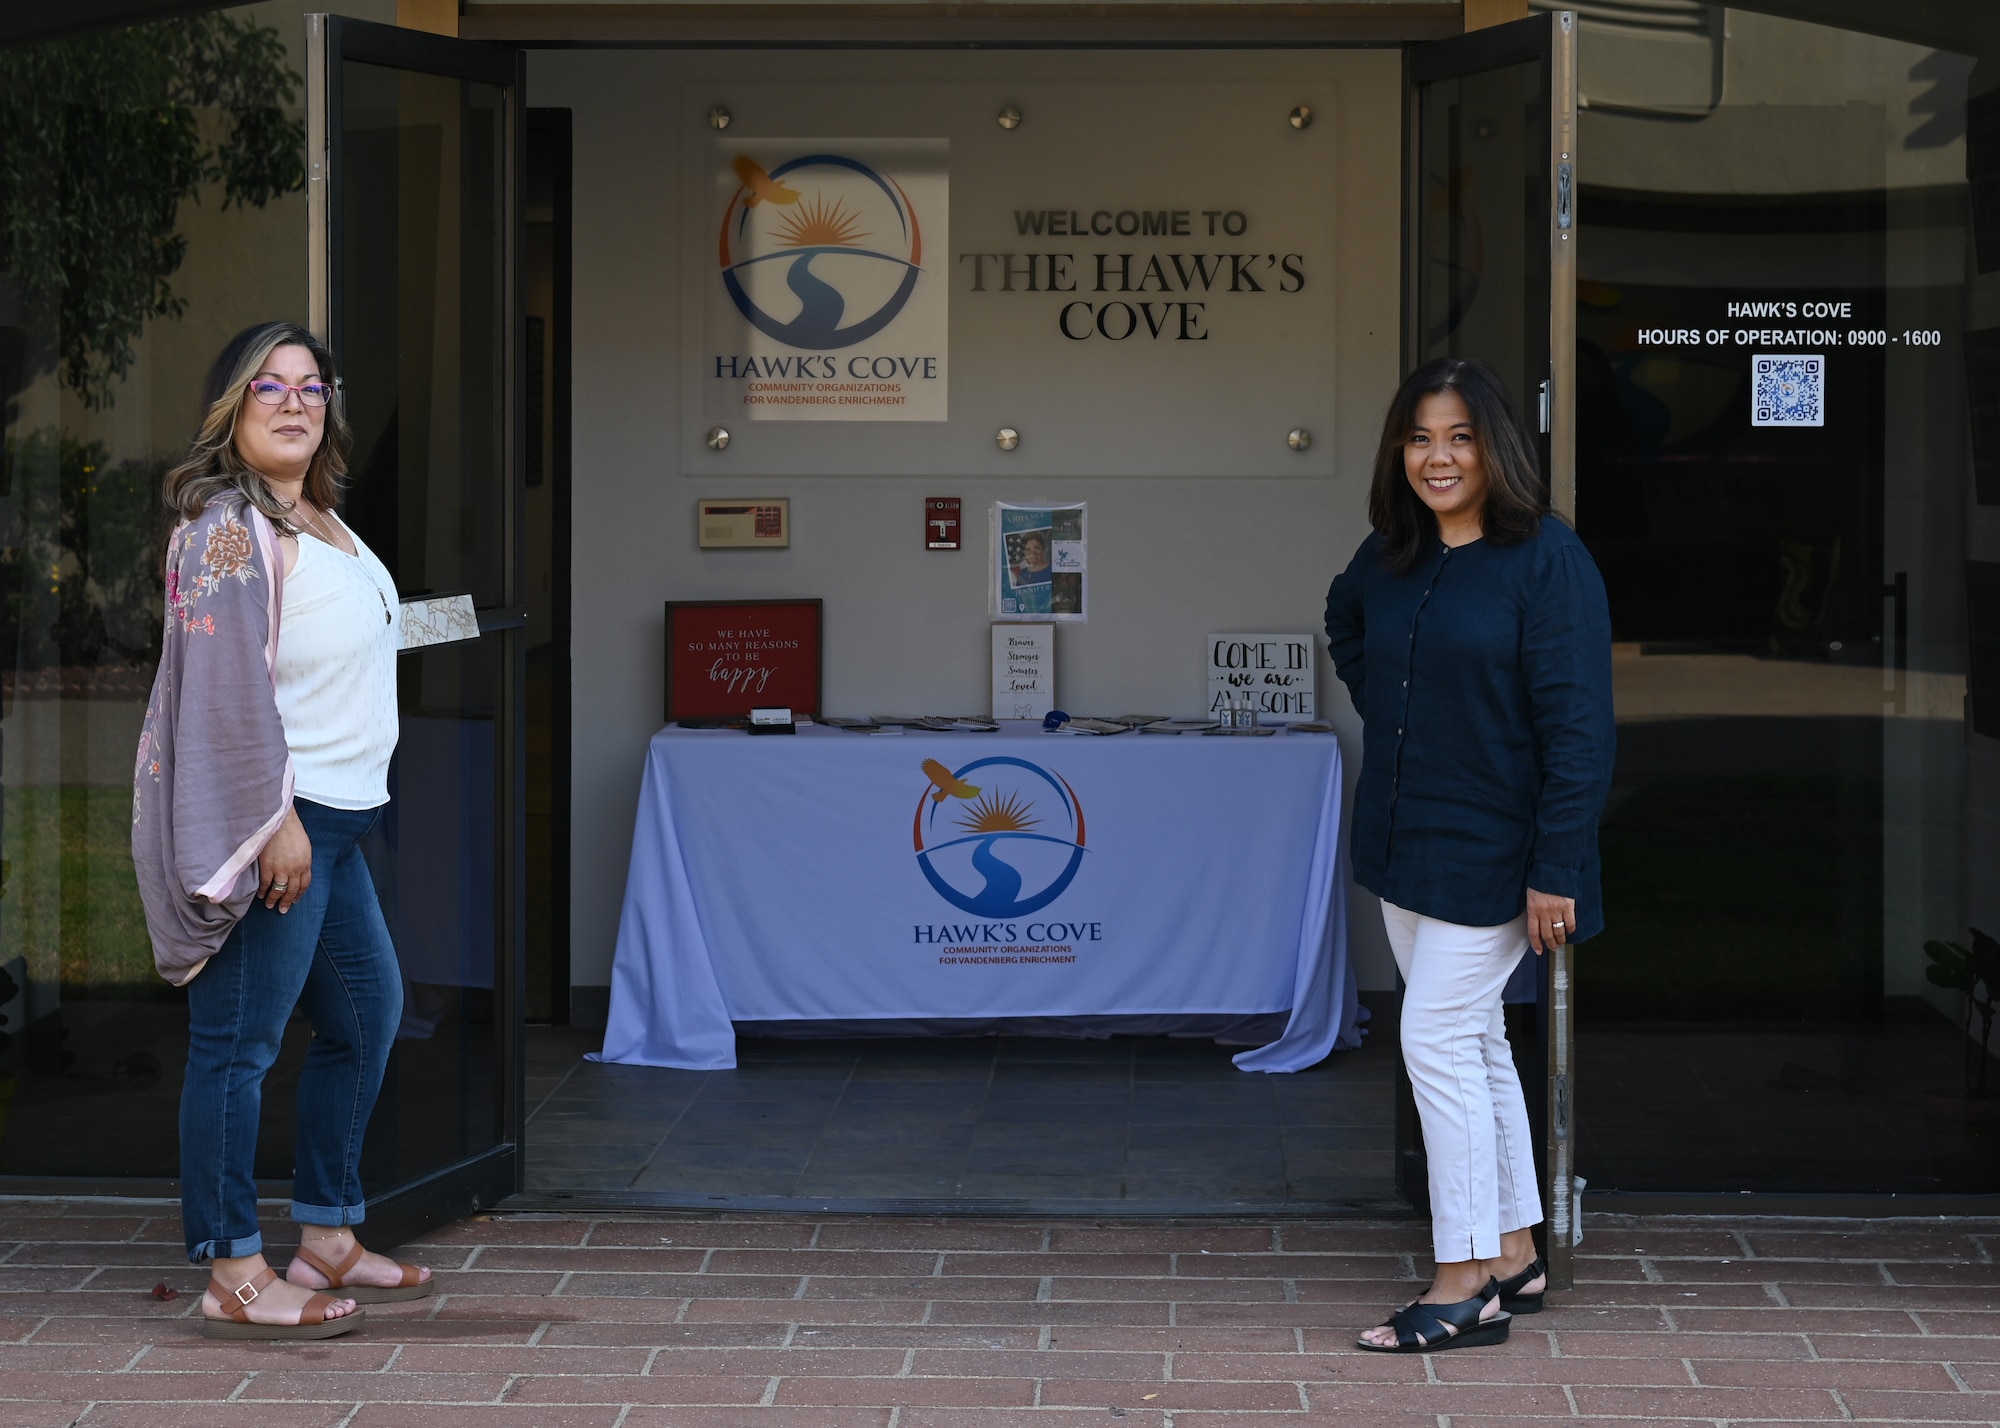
226	1249
328	1215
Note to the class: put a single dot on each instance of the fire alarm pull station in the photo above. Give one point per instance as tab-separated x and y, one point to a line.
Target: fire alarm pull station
941	523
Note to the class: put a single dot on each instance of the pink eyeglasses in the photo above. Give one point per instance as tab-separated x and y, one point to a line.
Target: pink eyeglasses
313	394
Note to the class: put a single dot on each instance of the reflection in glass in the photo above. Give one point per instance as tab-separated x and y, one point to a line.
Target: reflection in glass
1788	824
91	1041
98	378
422	331
434	858
422	326
1482	230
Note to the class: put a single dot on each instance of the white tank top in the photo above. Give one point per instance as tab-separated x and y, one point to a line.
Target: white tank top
336	674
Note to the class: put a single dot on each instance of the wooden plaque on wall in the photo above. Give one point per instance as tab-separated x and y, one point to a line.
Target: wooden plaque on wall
725	657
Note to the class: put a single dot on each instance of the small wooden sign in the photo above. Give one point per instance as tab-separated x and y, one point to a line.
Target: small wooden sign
727	657
941	523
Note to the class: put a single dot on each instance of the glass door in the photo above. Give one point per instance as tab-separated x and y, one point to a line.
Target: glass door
1787	379
415	144
1490	273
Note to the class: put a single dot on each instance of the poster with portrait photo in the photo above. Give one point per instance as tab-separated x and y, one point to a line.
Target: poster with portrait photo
1040	562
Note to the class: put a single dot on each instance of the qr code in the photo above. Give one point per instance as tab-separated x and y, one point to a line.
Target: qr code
1787	390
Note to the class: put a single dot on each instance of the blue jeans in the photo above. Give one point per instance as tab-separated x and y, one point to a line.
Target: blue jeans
331	957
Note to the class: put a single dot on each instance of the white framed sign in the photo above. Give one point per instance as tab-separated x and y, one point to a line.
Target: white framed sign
1024	671
829	300
1275	671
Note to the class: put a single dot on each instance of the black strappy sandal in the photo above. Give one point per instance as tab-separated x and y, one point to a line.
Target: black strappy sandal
1426	1328
1511	1297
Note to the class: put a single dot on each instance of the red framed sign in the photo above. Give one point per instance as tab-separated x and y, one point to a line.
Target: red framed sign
726	657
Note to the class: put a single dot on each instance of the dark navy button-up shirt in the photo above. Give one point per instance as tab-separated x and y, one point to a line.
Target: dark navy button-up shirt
1483	679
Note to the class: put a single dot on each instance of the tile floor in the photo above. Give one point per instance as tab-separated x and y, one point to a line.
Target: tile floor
1149	1122
1161	1125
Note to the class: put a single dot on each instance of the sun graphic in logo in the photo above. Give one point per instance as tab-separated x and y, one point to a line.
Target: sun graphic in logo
823	272
1005	846
1005	813
820	223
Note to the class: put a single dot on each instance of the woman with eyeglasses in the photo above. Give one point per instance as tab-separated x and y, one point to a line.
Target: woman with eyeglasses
263	762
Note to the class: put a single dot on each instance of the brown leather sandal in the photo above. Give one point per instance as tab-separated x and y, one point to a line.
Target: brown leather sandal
313	1323
412	1287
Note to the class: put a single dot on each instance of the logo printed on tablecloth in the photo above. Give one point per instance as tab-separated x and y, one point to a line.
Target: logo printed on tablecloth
999	837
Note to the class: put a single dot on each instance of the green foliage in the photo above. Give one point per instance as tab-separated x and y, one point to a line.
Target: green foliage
1975	974
100	142
72	907
80	551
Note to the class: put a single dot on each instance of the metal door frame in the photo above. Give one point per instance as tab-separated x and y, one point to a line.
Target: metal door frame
1550	40
453	1191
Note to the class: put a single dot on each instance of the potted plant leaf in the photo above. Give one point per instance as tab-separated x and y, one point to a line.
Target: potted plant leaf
1974	973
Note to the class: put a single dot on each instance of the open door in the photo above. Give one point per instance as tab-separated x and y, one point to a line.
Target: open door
1490	272
414	148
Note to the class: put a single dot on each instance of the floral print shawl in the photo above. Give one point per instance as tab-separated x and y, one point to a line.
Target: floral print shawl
213	716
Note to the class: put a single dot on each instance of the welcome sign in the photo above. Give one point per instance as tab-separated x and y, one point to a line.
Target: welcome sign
827	302
1138	278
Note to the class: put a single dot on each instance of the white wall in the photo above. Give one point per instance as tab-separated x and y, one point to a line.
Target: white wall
906	629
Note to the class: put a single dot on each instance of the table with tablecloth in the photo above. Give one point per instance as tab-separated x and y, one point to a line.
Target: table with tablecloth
832	878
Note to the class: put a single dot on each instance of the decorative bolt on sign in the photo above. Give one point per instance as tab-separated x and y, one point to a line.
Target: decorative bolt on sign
1007	438
941	527
718	118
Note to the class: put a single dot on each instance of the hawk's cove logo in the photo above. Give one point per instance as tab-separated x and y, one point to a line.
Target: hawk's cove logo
820	252
999	837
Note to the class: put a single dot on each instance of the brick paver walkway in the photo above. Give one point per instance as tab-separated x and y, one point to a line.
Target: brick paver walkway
848	1323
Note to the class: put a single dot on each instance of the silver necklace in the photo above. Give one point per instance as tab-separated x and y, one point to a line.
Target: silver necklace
312	524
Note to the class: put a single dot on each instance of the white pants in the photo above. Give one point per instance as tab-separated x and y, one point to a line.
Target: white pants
1476	1137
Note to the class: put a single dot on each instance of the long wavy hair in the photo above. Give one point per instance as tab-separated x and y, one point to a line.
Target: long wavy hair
214	467
1516	495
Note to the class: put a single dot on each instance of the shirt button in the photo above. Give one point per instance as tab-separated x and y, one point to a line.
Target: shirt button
1406	684
1399	733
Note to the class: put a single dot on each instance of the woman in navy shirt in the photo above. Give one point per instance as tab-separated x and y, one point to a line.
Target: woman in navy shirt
1472	632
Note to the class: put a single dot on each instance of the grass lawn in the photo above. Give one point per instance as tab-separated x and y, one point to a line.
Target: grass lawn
70	904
